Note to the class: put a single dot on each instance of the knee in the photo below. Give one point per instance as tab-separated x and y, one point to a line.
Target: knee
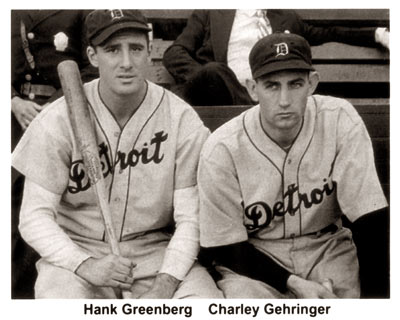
56	283
246	288
67	292
213	69
198	284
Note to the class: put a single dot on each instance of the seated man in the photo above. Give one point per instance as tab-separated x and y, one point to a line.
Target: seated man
275	181
209	58
149	143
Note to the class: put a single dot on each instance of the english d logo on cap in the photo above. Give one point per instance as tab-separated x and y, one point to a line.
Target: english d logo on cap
101	24
116	14
278	52
282	49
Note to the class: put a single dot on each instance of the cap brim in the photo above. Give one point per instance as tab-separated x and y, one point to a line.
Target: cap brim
271	67
106	33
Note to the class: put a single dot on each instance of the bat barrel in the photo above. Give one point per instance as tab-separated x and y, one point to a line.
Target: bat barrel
83	129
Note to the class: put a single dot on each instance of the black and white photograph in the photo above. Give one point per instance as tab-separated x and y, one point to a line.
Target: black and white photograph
204	163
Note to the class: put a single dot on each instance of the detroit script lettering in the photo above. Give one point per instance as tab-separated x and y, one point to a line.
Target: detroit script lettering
260	214
79	180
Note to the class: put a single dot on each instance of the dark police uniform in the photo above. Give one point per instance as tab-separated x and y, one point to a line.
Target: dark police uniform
40	40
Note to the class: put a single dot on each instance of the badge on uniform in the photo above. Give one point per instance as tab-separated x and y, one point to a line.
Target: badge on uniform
61	41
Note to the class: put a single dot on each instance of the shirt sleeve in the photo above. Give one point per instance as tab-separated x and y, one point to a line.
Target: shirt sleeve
221	210
192	135
44	152
183	247
40	230
358	188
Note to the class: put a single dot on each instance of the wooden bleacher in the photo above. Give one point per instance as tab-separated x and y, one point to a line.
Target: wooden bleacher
358	17
345	70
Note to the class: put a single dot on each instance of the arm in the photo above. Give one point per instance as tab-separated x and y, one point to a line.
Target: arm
183	247
362	201
224	237
371	237
243	258
24	111
354	36
39	228
179	59
358	187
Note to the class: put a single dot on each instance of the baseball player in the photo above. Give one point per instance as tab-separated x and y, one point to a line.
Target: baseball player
275	181
149	143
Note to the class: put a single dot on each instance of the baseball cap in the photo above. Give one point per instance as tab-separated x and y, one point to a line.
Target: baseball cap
101	24
280	51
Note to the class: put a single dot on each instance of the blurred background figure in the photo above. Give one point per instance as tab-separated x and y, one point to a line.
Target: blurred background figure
209	59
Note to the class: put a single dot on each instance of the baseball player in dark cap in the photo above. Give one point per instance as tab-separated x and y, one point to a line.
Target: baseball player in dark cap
275	181
149	144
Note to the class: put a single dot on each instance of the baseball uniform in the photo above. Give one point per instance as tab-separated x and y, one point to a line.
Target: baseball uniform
252	189
146	165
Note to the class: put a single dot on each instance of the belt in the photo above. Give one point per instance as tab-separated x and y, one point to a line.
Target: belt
27	89
332	228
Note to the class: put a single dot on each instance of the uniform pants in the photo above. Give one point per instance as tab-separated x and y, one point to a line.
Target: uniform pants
312	257
57	283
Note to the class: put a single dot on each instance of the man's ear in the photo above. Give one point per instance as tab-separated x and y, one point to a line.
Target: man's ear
314	80
92	56
251	89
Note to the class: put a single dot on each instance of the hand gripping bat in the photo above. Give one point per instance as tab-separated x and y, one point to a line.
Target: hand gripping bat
83	129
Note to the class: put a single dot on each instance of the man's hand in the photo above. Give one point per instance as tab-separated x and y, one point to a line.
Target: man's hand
164	287
382	36
25	111
109	271
307	289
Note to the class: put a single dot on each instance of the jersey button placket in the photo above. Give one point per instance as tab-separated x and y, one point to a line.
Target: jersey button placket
289	188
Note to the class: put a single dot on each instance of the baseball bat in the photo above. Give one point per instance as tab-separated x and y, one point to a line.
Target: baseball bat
83	129
84	133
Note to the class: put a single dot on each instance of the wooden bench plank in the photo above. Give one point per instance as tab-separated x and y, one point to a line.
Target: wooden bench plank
329	73
327	15
168	14
344	14
341	51
327	51
353	72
